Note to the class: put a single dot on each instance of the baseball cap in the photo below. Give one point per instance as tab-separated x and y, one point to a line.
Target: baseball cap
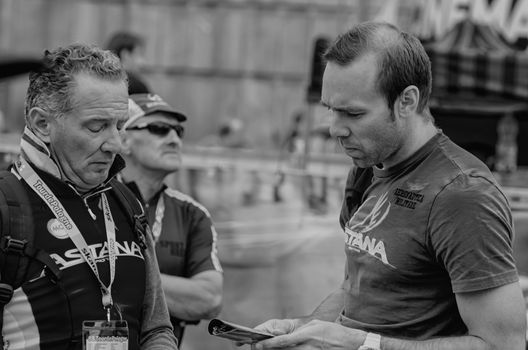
12	65
140	105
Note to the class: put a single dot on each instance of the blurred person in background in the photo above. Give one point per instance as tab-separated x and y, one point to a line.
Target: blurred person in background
94	263
130	48
185	237
232	134
321	144
291	151
428	231
230	137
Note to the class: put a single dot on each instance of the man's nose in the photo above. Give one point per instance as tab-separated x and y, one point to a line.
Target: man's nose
173	135
113	143
338	128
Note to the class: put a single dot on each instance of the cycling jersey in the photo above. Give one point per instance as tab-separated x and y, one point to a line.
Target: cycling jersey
186	244
46	314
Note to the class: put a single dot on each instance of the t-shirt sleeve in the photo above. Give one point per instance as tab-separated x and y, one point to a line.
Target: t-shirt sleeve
471	235
202	251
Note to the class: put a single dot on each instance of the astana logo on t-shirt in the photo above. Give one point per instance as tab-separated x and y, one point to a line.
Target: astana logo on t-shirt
369	215
99	251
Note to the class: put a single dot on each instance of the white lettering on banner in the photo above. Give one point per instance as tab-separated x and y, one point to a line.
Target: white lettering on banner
73	257
436	17
518	27
496	13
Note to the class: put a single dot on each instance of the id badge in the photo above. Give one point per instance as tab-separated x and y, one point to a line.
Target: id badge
103	335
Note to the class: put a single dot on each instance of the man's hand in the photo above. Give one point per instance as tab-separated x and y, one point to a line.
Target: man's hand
314	335
277	327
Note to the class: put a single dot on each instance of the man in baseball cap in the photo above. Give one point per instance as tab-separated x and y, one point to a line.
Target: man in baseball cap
185	238
141	105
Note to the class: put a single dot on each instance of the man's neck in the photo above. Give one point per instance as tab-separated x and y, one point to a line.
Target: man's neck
148	182
417	138
421	136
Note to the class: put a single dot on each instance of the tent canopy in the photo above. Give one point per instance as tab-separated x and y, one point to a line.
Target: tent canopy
474	59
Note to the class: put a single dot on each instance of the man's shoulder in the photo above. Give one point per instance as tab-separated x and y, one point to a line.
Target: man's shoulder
460	178
453	166
12	188
182	200
451	155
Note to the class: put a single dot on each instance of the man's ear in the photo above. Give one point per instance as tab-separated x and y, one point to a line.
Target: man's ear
125	143
407	102
39	121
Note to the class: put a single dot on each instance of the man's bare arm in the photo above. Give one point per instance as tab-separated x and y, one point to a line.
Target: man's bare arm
195	298
495	318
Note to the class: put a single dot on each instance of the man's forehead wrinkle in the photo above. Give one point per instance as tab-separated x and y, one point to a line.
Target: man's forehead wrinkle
87	97
91	99
95	103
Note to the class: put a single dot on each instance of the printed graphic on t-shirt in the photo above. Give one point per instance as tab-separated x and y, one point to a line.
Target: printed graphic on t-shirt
174	248
369	215
407	199
73	257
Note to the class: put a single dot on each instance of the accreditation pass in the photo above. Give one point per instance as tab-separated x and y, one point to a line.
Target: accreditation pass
105	335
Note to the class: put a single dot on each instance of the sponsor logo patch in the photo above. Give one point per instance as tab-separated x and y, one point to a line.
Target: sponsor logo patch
57	229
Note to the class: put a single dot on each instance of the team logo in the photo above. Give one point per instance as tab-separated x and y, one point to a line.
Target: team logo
57	229
369	216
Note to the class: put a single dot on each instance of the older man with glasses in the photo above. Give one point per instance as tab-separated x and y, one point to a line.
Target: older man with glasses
182	228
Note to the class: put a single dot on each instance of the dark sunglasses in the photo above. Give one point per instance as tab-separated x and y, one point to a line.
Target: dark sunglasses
160	129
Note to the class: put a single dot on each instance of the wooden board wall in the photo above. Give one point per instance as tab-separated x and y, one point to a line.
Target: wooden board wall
212	59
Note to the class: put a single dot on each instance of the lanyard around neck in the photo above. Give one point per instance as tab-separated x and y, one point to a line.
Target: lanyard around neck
39	187
160	212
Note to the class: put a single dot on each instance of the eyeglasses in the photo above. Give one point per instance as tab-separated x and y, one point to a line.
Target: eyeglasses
160	129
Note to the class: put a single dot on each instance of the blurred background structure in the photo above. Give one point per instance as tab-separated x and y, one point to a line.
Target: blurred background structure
252	66
214	59
253	60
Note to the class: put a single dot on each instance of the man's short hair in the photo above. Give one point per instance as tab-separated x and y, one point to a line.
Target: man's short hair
50	87
124	41
402	60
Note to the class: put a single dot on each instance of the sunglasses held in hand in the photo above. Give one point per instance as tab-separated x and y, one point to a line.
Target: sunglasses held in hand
160	129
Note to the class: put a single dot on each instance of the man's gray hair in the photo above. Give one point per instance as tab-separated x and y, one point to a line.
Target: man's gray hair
50	87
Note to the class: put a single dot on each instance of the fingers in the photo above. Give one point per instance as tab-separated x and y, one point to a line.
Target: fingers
278	342
277	327
282	330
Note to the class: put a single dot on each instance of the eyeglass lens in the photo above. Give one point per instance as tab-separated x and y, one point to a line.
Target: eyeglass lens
162	129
